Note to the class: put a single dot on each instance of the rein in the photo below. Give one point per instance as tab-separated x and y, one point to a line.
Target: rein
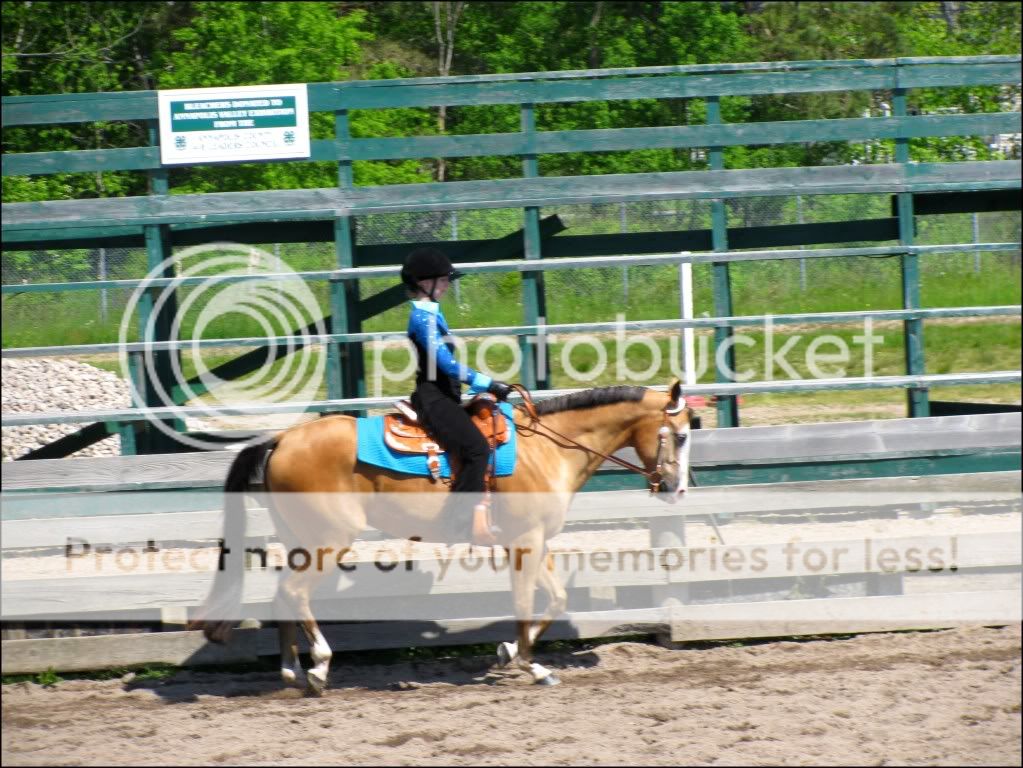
529	408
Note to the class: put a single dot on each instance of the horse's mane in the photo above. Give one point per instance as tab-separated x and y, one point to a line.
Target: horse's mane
590	398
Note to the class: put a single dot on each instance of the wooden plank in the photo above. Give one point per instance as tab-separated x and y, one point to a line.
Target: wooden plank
738	237
768	499
746	445
966	202
394	584
570	245
79	108
786	618
734	79
81	161
734	134
190	649
691	86
694	623
504	193
111	529
550	328
346	405
112	651
835	441
122	159
123	473
939	75
352	404
49	520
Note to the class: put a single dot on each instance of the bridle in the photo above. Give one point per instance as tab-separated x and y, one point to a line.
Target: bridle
654	477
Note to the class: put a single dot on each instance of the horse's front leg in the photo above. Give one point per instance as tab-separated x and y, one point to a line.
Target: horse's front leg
528	561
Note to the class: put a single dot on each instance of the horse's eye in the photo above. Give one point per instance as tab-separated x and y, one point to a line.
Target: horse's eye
680	440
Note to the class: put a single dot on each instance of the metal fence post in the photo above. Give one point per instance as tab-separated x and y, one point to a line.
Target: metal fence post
534	302
157	327
624	227
917	399
728	405
102	275
976	239
802	262
454	236
345	365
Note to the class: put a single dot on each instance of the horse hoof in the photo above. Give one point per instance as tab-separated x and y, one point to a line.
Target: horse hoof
290	677
551	679
504	654
314	685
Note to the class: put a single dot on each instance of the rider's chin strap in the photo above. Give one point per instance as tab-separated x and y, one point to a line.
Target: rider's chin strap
653	478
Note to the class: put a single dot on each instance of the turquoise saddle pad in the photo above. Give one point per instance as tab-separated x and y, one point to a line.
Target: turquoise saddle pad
373	450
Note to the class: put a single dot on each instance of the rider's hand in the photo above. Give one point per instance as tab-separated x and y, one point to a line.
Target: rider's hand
499	389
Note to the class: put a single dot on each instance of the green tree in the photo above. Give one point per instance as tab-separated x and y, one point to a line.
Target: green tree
80	47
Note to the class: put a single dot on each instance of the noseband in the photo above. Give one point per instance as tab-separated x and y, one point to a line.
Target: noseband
654	478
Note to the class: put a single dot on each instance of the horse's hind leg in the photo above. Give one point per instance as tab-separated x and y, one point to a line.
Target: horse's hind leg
291	666
296	590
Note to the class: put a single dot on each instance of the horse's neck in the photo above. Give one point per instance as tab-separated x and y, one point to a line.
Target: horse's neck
603	429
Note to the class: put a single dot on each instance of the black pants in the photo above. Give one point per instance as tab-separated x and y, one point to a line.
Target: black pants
446	420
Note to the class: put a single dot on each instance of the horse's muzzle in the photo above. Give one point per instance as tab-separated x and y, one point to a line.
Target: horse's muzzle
671	496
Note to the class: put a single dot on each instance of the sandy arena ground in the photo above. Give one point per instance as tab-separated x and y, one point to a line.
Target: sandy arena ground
940	698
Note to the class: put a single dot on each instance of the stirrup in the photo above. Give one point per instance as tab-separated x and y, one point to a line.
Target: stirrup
482	531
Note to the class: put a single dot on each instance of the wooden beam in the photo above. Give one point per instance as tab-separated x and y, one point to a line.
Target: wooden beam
49	520
313	204
931	203
890	613
795	443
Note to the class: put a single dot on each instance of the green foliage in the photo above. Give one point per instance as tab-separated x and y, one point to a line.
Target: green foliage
60	47
88	47
47	678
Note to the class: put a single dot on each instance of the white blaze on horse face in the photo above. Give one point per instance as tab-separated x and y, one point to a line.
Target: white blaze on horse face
683	460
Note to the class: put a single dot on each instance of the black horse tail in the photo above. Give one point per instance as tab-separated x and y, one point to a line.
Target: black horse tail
224	601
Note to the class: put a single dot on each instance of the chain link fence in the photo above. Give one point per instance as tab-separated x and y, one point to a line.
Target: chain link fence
576	295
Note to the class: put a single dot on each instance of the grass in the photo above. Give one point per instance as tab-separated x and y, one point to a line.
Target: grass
949	347
573	296
593	295
392	656
50	677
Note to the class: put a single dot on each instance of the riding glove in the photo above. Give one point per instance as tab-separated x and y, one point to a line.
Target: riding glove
500	389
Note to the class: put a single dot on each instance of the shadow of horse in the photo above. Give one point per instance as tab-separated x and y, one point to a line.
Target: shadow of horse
377	671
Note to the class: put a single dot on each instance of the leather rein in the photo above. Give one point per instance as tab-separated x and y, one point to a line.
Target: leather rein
654	478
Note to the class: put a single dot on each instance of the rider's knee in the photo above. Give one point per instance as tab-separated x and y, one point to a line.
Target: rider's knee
476	450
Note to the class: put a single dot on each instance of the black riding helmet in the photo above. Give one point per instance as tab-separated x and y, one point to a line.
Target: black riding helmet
424	264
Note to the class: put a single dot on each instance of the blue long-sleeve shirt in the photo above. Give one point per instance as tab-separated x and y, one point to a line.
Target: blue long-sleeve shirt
427	329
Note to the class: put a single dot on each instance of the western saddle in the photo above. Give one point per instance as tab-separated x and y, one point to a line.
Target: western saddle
403	433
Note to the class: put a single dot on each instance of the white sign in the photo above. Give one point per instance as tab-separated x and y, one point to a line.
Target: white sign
254	122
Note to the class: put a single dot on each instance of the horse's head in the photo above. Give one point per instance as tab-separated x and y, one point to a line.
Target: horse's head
662	441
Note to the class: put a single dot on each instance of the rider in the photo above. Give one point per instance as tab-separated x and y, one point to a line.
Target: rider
427	273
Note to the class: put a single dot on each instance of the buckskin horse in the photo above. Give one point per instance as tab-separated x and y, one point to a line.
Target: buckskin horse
562	441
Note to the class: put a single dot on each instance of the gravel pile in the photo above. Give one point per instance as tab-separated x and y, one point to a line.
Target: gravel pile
40	384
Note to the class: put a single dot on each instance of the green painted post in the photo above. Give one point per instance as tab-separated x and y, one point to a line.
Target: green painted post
136	369
534	303
917	398
158	328
345	365
728	406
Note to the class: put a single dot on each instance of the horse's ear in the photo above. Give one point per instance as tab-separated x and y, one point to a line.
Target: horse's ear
675	393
